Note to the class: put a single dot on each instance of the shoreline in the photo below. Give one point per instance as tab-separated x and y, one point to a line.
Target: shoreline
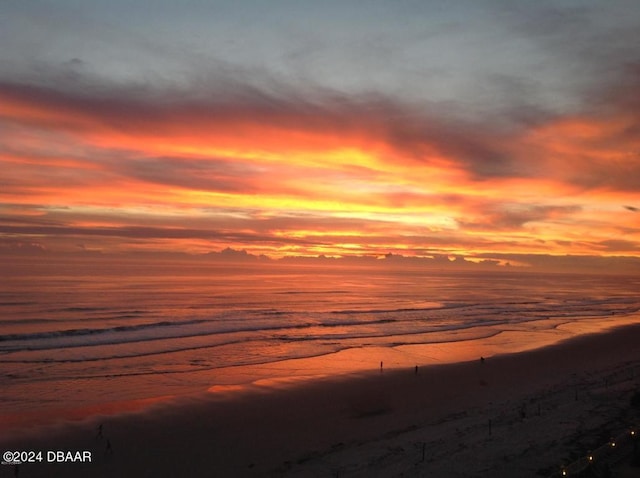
90	398
337	366
361	424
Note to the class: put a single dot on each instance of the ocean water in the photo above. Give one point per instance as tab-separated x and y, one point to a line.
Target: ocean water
80	335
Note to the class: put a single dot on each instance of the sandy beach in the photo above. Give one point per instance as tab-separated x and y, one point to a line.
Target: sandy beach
520	414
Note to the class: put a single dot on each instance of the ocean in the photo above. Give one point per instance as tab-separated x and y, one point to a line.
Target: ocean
75	336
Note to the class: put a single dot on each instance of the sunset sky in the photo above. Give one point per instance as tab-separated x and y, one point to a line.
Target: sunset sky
479	129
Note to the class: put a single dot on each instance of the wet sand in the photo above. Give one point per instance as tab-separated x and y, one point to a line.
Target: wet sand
519	414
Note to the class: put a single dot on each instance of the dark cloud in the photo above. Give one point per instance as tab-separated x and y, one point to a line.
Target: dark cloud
150	233
619	176
207	174
620	245
420	133
510	217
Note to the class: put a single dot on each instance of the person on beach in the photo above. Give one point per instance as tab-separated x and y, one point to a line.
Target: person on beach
99	435
380	366
108	450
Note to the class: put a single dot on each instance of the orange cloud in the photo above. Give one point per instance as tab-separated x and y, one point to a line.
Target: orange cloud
129	171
